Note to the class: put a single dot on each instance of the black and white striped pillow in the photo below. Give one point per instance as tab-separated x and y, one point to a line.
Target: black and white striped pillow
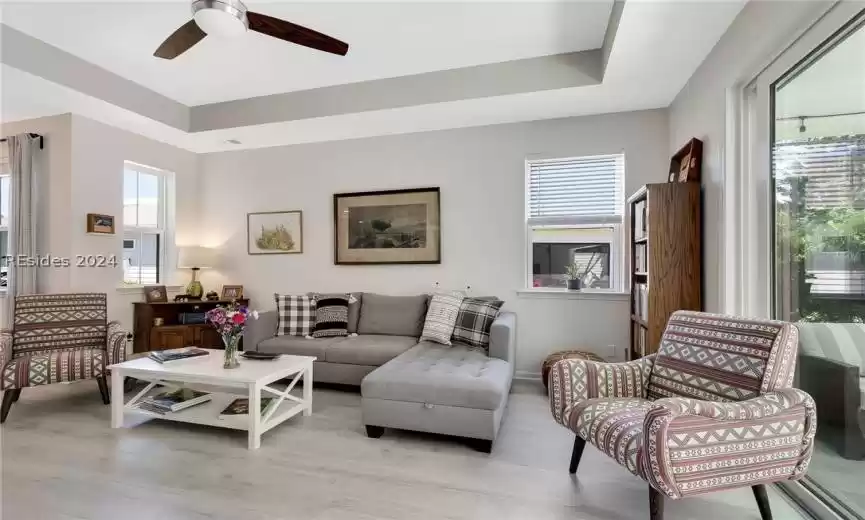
296	315
331	315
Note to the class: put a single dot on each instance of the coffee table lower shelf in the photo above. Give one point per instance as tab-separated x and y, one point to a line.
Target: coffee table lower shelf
208	414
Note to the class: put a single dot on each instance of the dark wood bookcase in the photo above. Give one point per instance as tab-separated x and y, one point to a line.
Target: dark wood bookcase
666	259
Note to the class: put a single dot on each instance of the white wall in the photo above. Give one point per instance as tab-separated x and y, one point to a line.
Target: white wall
757	35
481	174
98	154
83	167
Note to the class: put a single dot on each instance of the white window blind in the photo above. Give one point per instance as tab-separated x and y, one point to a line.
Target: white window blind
576	190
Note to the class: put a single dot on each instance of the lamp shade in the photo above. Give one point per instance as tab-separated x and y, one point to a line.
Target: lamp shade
189	257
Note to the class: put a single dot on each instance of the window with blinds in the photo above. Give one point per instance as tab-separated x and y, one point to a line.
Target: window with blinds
574	209
576	190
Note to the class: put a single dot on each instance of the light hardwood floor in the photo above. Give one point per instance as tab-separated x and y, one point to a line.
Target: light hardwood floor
61	461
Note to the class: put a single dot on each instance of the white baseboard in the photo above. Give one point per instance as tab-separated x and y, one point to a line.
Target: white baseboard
525	375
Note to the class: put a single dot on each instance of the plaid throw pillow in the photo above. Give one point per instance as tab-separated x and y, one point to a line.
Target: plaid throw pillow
441	317
475	320
331	315
296	315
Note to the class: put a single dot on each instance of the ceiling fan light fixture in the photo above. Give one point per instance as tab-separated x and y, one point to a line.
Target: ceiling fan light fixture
222	18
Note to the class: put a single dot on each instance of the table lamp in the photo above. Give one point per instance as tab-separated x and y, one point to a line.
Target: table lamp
195	258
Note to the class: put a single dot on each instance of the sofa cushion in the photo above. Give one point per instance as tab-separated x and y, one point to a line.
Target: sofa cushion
354	303
297	346
369	349
296	315
441	318
392	315
437	375
474	321
843	342
331	315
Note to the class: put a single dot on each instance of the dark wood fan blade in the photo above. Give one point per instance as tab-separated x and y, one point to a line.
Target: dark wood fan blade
295	33
181	41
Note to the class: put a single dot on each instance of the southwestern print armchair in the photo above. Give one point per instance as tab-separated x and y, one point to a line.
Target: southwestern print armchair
713	409
58	338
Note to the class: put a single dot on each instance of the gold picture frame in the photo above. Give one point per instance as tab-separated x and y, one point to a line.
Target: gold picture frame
274	232
100	224
231	292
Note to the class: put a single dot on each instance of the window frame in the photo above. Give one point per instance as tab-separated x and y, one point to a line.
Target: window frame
5	172
164	229
613	224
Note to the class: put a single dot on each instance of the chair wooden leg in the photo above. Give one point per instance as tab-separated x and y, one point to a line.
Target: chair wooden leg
762	501
374	432
9	397
656	504
103	389
577	454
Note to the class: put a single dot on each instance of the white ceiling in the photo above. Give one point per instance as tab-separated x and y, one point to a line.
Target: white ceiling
386	40
657	47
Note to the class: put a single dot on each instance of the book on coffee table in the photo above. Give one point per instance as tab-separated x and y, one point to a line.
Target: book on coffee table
240	406
174	400
162	356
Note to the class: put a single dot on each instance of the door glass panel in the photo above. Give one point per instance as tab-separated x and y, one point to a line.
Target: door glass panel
818	170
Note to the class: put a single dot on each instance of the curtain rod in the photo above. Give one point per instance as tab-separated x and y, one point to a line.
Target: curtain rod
34	136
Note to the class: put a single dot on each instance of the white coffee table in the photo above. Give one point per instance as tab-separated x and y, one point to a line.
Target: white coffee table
250	380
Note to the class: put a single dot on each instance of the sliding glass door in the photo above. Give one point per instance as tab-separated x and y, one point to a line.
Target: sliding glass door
816	141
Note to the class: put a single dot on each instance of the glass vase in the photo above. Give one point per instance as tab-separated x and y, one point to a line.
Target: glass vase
231	343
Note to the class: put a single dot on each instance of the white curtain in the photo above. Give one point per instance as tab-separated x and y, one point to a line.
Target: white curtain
23	206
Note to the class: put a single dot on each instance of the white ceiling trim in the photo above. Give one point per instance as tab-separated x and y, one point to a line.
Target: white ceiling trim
656	48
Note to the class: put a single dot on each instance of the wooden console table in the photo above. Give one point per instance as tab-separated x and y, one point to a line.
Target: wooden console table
172	333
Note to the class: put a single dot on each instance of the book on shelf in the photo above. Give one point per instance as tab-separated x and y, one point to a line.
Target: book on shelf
640	220
173	400
240	406
161	356
641	263
641	301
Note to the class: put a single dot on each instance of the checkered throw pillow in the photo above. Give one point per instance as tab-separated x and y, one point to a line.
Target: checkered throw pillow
296	315
475	320
441	317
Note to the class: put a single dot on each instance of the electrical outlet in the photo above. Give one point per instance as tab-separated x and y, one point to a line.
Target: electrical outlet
611	353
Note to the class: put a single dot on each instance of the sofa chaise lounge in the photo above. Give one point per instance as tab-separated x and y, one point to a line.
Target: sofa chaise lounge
406	383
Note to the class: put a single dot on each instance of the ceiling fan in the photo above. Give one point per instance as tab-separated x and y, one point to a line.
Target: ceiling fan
232	18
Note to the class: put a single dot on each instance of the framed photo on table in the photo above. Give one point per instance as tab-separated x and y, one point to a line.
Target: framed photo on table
232	292
387	227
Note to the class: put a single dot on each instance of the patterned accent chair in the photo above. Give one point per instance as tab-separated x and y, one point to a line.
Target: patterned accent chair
713	409
57	338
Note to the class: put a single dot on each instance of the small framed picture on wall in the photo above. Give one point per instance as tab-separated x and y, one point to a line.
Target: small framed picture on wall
100	224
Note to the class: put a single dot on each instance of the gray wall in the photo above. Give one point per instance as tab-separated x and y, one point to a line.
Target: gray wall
481	173
759	33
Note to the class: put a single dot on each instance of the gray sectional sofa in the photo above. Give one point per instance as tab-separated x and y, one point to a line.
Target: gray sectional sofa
405	383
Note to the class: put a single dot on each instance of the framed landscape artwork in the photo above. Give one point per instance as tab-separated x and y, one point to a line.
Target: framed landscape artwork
387	227
274	232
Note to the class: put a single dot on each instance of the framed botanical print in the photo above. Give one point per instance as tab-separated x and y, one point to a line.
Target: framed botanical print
274	232
387	227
